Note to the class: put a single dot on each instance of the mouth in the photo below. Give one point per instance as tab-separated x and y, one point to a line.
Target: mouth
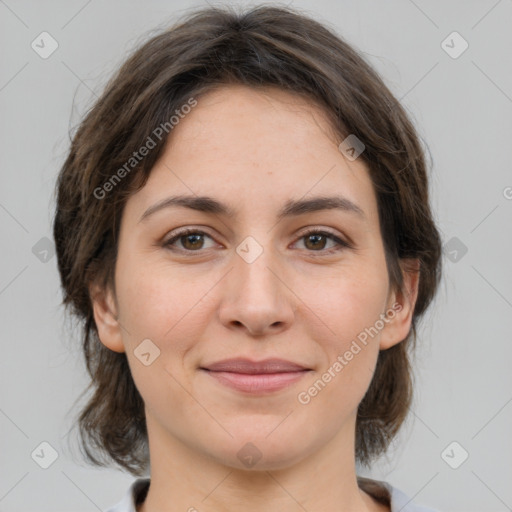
256	377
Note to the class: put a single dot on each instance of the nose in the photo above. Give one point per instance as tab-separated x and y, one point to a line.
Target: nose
256	297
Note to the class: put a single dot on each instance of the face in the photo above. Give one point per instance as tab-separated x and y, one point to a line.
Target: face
268	278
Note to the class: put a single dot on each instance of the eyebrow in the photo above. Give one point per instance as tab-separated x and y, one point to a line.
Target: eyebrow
292	208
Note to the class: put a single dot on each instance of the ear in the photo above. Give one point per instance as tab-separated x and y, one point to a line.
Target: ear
400	307
105	317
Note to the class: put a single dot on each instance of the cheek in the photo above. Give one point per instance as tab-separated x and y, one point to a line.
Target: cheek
350	355
156	302
155	305
349	334
351	303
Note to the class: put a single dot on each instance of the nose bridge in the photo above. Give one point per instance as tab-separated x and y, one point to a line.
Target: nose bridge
254	277
256	297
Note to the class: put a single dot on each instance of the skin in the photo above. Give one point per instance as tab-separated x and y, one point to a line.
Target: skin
253	150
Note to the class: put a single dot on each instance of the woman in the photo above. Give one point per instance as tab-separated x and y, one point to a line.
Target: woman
243	226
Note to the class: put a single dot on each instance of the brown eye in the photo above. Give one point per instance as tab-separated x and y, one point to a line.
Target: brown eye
191	240
315	241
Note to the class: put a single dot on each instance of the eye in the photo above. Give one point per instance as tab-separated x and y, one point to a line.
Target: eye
192	240
316	240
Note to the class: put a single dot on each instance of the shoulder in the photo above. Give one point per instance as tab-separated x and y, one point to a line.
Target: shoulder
135	494
389	495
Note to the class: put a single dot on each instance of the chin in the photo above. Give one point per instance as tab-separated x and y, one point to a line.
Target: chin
261	452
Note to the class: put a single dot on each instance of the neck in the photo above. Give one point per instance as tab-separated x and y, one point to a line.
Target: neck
184	479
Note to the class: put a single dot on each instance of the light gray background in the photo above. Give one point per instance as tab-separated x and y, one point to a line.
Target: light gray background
462	108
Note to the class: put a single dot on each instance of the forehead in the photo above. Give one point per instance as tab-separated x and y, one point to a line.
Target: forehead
258	111
256	146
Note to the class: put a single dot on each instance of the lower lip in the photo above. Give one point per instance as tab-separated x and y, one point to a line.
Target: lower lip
257	383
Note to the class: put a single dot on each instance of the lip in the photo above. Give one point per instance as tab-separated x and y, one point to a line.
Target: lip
247	366
256	377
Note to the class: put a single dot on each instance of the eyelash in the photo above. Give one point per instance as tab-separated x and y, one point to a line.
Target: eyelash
191	231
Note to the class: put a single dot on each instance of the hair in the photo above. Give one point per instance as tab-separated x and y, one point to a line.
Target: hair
261	47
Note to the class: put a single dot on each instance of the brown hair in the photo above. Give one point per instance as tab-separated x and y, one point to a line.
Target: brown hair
264	46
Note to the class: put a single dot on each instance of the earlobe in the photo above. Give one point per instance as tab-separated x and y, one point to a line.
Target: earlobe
105	317
401	306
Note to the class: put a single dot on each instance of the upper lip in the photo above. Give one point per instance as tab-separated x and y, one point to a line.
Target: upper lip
243	365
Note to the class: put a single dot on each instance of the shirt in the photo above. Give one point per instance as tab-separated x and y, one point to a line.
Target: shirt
382	491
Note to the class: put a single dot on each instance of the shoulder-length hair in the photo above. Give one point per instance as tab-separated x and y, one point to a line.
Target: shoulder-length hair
263	46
